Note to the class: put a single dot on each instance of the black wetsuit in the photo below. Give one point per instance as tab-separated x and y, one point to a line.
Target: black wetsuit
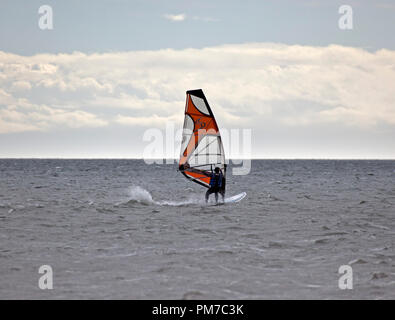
215	186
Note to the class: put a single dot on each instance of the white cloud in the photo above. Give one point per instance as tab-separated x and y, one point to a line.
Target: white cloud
151	121
21	85
246	84
175	17
43	118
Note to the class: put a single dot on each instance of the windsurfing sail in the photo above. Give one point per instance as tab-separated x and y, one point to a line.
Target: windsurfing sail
201	147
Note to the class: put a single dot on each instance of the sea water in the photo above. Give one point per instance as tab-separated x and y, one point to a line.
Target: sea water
123	229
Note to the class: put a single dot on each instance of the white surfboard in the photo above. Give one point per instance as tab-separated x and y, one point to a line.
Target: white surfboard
236	198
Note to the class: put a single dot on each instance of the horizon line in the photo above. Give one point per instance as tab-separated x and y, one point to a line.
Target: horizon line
176	159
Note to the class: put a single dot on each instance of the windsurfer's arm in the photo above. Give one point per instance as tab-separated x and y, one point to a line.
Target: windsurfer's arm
183	167
208	173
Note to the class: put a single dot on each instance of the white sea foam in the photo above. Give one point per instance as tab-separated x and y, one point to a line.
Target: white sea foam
140	195
143	196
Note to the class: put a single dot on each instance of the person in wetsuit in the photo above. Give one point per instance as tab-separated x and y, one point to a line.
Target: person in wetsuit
216	183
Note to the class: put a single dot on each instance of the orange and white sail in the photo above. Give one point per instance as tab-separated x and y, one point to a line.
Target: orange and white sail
201	146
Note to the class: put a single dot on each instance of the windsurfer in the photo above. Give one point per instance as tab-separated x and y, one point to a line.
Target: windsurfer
216	183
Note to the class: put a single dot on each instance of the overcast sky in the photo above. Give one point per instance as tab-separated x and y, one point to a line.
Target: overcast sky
110	70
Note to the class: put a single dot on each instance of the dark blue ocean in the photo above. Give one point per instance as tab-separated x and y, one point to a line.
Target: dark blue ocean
122	229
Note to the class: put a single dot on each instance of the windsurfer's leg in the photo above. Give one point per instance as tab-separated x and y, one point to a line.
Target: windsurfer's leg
216	197
209	191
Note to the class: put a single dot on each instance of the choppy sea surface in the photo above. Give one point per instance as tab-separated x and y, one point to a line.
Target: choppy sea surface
123	229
